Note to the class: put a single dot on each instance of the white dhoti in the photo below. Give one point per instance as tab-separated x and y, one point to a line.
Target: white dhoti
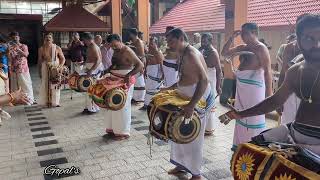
188	157
76	67
153	82
139	92
250	92
47	88
89	104
119	122
24	81
170	70
290	109
212	122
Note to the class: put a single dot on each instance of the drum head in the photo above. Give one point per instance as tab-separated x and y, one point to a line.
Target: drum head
185	133
85	83
115	99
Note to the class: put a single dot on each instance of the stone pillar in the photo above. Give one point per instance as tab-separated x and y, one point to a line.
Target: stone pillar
236	13
116	19
143	17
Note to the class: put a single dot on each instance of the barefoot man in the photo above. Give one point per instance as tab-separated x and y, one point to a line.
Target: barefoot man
153	72
52	54
92	68
125	63
302	79
253	84
139	87
194	84
211	56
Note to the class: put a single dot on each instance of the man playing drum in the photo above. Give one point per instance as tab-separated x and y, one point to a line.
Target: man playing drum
92	67
49	54
194	84
125	64
303	80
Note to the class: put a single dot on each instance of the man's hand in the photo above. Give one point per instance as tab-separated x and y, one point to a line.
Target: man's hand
187	111
89	74
226	118
280	111
20	97
219	90
236	34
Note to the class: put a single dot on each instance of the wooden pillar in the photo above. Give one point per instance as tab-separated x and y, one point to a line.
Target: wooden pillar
64	4
143	9
116	19
236	13
156	10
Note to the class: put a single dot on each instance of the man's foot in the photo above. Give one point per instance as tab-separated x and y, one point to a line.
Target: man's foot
196	178
85	111
58	106
176	171
120	138
143	108
208	133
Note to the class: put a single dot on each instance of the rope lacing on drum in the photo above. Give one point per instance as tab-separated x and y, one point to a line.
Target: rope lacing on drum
285	152
150	142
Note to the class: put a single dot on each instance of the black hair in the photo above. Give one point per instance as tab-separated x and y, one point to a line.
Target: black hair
291	36
113	37
169	28
15	33
177	33
87	36
301	16
252	27
308	21
133	31
2	39
208	36
48	34
266	44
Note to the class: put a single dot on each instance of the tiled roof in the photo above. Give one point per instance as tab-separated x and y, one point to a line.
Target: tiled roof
193	15
208	15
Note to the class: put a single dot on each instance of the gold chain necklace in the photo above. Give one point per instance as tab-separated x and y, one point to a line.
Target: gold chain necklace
314	83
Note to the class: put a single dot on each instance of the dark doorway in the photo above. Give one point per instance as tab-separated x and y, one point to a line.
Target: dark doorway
29	28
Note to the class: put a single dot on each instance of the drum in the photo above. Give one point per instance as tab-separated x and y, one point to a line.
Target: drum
261	162
57	73
105	97
166	123
80	83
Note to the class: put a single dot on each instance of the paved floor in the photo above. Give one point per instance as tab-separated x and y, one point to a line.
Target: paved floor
35	138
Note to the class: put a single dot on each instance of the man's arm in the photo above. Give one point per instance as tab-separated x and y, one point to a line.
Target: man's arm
285	65
137	64
24	51
62	59
195	63
39	61
227	50
264	58
275	101
216	61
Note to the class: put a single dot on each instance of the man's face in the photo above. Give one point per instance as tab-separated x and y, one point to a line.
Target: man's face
309	43
205	42
98	40
174	43
247	36
76	37
131	36
49	38
115	45
152	44
16	38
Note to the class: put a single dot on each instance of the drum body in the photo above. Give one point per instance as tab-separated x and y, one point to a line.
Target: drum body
58	74
80	83
259	162
113	99
166	123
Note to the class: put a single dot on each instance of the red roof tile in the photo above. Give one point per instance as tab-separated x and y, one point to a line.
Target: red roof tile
208	15
76	18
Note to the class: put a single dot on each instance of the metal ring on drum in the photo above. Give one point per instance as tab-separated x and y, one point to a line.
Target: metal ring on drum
84	83
185	133
115	99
